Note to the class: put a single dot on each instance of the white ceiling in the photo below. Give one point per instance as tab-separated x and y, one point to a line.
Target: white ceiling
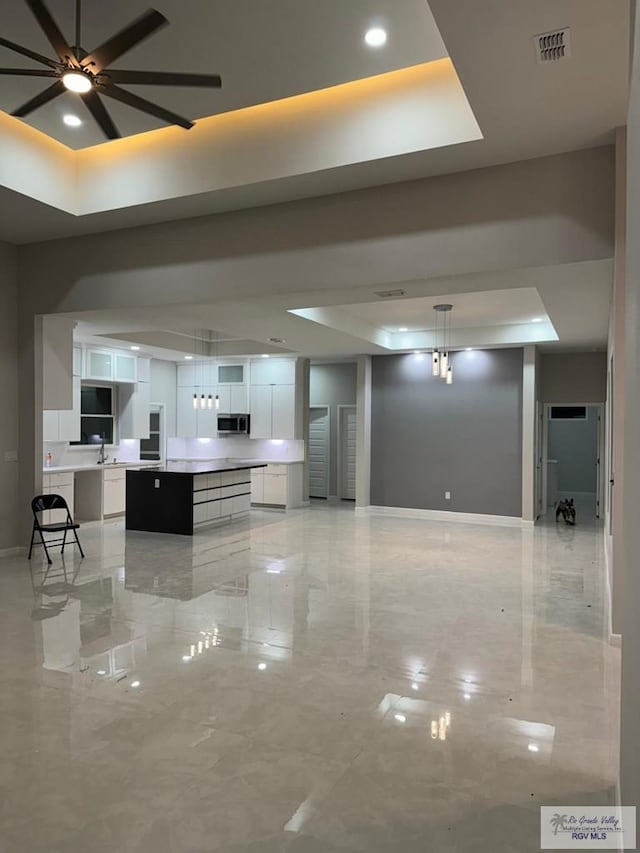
265	50
524	109
495	308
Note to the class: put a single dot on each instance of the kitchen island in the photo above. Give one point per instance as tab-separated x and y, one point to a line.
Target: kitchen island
181	497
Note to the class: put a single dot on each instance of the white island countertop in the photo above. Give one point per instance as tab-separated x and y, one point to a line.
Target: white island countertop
236	459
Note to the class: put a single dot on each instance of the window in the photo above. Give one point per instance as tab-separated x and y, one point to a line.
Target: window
568	413
96	415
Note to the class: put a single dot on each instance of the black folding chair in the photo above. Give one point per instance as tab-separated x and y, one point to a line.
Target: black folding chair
43	503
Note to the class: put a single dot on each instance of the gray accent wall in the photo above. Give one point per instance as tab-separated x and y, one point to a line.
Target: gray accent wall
333	385
428	437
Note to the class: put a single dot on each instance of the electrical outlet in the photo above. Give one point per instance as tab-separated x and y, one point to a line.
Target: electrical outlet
447	496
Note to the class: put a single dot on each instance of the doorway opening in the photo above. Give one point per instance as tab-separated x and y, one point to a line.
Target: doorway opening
573	450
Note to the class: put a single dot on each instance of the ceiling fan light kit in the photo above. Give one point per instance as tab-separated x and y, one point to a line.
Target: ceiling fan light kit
89	75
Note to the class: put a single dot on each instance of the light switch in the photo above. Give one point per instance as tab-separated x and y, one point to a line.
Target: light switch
11	456
156	484
447	496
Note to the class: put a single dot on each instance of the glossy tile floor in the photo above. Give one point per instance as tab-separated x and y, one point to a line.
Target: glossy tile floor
308	682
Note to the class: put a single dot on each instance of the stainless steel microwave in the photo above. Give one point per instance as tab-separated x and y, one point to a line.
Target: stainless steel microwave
233	424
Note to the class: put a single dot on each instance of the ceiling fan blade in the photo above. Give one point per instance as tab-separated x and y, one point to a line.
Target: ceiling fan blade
52	31
146	106
121	42
100	114
29	72
165	78
43	98
18	48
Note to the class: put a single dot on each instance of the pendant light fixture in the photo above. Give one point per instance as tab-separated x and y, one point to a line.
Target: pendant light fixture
441	355
214	402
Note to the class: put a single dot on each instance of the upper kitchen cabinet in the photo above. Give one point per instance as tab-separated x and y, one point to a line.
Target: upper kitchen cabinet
273	371
230	374
98	365
124	367
63	425
144	369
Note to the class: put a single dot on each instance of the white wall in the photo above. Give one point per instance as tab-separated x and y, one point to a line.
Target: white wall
9	532
630	706
164	390
332	385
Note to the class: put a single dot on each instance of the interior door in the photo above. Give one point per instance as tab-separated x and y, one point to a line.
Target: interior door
347	452
539	460
319	452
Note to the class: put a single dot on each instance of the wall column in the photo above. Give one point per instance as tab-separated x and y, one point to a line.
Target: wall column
528	433
363	432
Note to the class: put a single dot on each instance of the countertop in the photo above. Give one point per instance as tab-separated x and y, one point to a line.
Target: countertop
236	460
63	469
202	467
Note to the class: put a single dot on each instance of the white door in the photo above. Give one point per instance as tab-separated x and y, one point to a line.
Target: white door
261	405
319	426
347	452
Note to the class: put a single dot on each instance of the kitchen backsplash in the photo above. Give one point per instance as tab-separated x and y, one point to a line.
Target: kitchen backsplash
237	447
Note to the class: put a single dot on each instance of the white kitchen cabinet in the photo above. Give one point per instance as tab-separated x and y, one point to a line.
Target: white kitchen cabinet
274	489
261	408
186	414
273	411
207	418
98	365
195	373
124	367
283	416
239	399
134	403
77	361
273	371
144	369
69	421
278	485
230	374
58	484
65	424
114	488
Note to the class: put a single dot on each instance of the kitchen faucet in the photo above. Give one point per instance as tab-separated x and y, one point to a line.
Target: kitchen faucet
102	457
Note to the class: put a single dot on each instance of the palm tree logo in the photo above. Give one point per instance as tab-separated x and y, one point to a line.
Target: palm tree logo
558	822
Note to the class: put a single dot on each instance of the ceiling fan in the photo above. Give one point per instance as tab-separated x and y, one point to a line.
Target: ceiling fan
89	76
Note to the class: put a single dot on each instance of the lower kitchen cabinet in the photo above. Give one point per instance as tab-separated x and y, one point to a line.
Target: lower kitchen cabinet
114	491
58	484
277	485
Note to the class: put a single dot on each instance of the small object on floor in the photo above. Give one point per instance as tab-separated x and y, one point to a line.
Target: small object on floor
567	510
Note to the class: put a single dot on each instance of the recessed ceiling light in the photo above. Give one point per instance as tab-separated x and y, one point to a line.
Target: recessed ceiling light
537	320
188	357
469	349
77	81
135	349
264	355
403	329
375	37
71	121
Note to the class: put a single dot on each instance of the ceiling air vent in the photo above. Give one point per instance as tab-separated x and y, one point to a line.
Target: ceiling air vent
553	46
390	294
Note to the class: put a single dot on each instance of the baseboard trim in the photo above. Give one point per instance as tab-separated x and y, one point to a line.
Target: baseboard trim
444	515
12	552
